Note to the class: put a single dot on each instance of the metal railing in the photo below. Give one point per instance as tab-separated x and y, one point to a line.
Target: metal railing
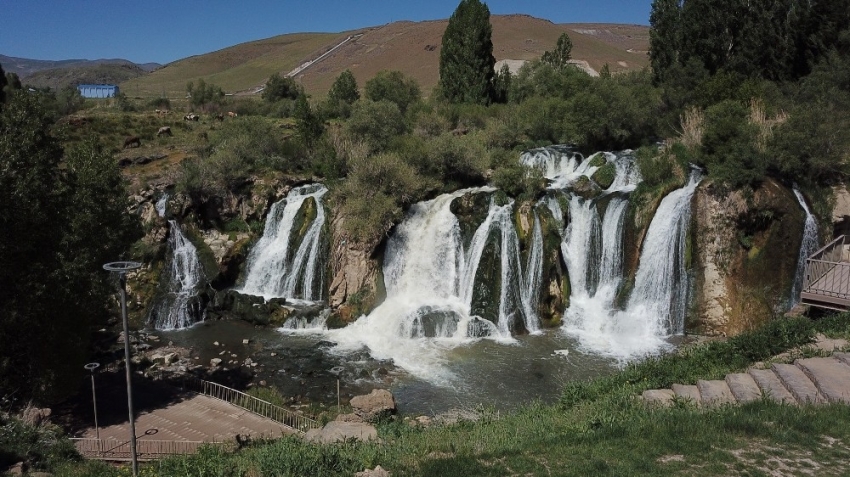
294	420
828	270
114	449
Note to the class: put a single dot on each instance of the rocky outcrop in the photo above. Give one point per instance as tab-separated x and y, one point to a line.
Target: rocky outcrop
745	255
356	286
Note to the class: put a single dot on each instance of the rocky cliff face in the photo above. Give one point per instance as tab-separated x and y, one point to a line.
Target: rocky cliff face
356	285
744	255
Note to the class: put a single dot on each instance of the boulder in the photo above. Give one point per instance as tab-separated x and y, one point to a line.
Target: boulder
376	472
33	416
215	362
378	404
338	431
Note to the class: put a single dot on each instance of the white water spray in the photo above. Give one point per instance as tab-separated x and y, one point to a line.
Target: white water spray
430	275
808	246
180	307
657	305
274	269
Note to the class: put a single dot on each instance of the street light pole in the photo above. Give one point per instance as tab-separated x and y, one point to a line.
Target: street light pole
91	367
122	268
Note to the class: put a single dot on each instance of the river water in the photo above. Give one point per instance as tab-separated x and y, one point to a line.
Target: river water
480	372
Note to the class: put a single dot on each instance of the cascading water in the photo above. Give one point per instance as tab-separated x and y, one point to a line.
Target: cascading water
276	268
180	306
559	164
658	302
430	275
161	204
808	246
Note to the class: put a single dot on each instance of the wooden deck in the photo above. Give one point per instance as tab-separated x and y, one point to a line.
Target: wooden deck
827	277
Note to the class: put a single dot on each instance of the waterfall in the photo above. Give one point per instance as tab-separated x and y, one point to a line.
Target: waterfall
430	276
180	306
161	204
559	164
658	301
276	268
808	246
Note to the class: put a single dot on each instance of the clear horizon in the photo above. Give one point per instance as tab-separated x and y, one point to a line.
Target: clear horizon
162	32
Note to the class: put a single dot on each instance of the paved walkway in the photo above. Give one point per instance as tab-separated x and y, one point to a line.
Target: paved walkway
809	380
198	418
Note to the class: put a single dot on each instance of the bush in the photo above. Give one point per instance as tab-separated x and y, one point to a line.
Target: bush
374	194
376	122
160	103
395	87
461	160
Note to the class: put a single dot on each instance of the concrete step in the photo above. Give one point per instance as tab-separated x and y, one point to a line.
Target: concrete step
798	384
830	376
743	387
687	391
658	397
771	385
715	392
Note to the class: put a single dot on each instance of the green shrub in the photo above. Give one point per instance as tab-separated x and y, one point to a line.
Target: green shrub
376	122
395	87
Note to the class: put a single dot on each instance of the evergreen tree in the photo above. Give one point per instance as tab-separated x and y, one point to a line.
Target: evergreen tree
559	58
663	36
308	123
466	57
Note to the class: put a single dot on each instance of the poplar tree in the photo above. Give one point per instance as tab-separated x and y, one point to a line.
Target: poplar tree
466	57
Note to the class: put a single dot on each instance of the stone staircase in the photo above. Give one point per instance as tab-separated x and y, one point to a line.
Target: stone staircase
808	380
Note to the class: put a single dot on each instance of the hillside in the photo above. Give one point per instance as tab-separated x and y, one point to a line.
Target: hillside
107	73
26	67
411	47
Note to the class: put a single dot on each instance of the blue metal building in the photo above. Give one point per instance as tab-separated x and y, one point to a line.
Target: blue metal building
98	90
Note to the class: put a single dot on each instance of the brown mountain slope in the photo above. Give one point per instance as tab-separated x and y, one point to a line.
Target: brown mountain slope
410	47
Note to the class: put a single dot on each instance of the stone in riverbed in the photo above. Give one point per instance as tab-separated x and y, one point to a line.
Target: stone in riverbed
337	431
215	362
378	404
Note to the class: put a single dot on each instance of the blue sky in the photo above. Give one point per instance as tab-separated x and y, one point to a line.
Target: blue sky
163	31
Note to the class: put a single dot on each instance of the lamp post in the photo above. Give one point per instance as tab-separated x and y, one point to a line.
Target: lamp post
122	268
90	368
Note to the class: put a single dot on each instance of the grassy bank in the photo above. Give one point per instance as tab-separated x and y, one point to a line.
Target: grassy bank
598	428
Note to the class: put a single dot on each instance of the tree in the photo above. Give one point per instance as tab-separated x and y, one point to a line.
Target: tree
466	57
663	36
394	87
57	228
559	58
278	88
3	83
344	89
502	84
308	123
203	94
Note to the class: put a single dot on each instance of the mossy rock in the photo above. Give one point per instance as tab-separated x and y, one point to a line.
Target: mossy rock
598	160
604	176
471	210
585	188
